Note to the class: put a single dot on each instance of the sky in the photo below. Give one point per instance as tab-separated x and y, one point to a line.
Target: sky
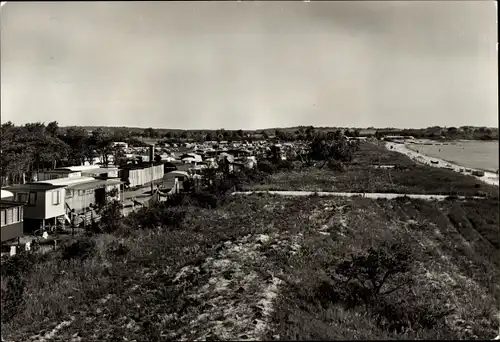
250	65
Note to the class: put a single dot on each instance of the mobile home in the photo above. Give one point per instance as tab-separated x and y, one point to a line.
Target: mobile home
43	203
11	220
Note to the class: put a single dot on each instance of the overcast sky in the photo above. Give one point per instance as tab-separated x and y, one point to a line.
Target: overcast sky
250	64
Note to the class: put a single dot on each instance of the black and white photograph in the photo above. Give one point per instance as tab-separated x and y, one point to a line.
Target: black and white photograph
249	170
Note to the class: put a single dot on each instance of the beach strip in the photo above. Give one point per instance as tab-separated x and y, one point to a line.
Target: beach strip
488	177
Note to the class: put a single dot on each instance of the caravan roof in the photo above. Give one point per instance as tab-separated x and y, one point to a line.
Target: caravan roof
66	181
78	168
5	193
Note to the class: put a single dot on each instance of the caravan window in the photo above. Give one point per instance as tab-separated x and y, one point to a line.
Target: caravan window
32	198
55	197
17	216
22	197
10	216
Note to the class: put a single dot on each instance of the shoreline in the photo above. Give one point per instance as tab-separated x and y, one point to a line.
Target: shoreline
489	177
450	161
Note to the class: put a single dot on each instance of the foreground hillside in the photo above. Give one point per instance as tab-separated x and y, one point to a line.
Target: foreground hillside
268	267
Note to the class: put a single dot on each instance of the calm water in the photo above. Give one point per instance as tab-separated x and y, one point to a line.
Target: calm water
473	154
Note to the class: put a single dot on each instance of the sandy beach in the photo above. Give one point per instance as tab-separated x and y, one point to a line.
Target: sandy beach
489	177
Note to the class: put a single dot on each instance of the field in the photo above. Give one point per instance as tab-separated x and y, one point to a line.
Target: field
262	267
406	177
472	154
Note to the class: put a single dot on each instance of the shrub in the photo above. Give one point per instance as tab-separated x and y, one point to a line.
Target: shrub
336	165
117	249
110	217
79	250
158	214
206	199
407	313
14	271
20	264
286	165
266	166
12	299
368	277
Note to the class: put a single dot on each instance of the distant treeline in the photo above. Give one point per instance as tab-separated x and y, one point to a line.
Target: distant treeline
297	133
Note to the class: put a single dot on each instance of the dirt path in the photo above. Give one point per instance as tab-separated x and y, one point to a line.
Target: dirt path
351	194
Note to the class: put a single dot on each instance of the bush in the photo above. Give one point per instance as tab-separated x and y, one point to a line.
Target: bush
14	271
285	165
110	218
79	250
336	165
366	278
266	166
20	264
406	313
206	199
159	214
12	299
117	249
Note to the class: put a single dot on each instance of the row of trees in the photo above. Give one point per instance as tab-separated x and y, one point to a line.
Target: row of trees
308	133
299	133
35	146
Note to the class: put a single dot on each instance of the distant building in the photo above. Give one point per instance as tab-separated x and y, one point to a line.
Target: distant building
120	144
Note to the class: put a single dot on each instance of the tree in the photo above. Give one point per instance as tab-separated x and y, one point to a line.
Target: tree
379	134
52	128
111	213
367	277
310	132
78	141
117	153
101	143
26	149
333	147
209	136
150	133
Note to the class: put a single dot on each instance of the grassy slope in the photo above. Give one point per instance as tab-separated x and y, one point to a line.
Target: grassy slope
456	267
360	177
135	295
143	301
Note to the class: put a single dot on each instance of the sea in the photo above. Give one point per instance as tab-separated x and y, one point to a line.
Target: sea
469	153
